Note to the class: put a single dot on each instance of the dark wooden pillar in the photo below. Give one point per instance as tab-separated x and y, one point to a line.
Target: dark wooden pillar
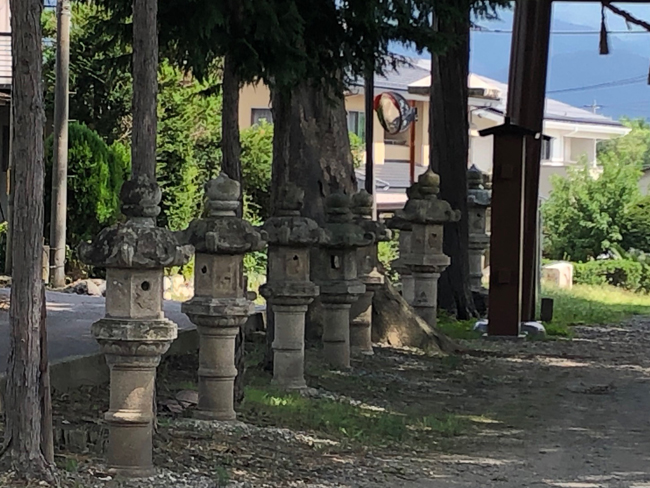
506	228
526	99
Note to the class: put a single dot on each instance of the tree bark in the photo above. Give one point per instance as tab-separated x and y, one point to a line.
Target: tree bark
24	402
448	139
281	109
320	162
145	89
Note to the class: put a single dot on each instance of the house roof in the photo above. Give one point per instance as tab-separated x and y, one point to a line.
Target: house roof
415	73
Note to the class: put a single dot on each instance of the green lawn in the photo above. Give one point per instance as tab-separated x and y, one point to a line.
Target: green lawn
593	305
581	305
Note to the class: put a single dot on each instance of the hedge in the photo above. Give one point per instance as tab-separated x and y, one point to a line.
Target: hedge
622	273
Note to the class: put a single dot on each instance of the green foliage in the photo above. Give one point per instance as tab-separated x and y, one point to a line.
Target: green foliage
584	214
358	149
387	252
256	158
188	137
95	175
622	273
636	225
634	148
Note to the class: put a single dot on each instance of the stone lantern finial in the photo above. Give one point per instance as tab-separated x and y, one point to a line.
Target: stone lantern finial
362	203
475	178
429	184
290	201
222	196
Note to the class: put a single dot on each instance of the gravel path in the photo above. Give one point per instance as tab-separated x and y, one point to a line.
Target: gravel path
567	414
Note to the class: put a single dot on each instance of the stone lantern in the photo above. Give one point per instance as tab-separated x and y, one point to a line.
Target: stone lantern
478	202
134	333
367	262
340	286
404	227
288	289
220	305
427	215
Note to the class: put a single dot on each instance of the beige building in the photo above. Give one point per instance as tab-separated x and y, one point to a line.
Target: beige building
574	133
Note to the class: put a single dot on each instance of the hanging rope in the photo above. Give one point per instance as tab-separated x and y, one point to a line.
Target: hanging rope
604	44
629	20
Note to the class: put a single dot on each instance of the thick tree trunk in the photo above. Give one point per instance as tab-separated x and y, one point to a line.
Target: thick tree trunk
320	162
320	159
24	401
448	137
231	165
281	108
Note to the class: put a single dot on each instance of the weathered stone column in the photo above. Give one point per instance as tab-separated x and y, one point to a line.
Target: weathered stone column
427	215
220	305
340	287
361	311
478	201
288	289
134	334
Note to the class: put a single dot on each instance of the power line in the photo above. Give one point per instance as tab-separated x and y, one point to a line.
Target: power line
483	30
609	84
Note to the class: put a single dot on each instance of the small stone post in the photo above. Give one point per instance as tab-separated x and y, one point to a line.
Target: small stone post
427	215
220	305
478	201
340	287
361	312
134	333
288	290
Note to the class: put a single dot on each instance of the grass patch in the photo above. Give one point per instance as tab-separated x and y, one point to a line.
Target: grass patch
592	305
343	421
457	329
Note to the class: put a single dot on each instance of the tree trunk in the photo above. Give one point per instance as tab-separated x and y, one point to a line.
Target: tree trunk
320	162
24	402
281	109
394	322
145	89
448	138
320	159
231	165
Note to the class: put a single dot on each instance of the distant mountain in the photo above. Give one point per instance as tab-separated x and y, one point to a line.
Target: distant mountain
575	64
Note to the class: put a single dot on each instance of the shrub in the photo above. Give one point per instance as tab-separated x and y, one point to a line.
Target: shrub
584	214
358	149
636	226
623	273
256	157
96	172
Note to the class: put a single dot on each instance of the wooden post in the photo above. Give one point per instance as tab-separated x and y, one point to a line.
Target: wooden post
60	169
369	92
526	100
412	149
506	226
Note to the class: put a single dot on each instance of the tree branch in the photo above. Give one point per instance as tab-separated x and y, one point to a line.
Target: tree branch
626	15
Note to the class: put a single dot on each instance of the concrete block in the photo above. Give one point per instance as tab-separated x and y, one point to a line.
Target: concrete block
559	274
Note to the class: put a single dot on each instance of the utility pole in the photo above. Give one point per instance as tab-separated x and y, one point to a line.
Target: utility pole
60	167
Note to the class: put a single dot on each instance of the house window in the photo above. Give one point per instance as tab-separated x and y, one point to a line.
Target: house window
259	114
357	123
547	149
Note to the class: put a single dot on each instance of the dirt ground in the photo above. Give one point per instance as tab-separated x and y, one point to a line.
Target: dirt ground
557	413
